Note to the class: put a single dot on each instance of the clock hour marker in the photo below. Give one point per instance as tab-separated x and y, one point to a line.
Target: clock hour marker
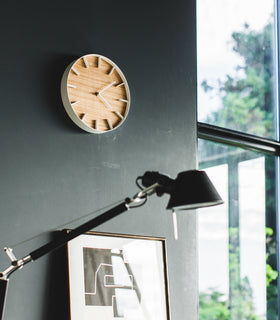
123	100
120	84
109	124
111	71
83	116
74	102
118	114
96	124
75	71
71	85
99	62
85	62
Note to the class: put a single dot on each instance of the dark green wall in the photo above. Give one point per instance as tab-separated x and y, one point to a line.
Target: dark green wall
52	172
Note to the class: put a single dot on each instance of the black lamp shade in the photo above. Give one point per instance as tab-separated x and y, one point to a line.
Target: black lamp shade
193	189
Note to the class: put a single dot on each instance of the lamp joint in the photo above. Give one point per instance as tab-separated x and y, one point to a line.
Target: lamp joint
15	263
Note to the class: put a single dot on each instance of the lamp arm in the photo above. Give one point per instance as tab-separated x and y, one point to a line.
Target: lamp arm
65	237
102	218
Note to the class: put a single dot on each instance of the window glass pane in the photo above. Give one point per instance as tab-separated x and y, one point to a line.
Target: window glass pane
235	65
237	240
213	238
252	238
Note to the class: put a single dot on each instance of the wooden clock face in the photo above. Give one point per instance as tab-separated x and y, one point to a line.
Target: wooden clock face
95	94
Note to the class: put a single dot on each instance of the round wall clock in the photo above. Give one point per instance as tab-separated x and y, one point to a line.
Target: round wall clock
95	93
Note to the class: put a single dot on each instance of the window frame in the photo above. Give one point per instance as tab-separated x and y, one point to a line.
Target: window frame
238	139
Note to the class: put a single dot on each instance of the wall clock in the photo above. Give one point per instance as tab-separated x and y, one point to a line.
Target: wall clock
95	93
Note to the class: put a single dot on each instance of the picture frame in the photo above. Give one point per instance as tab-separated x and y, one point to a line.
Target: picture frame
117	276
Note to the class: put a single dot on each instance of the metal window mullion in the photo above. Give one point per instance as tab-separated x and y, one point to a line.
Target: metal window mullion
238	139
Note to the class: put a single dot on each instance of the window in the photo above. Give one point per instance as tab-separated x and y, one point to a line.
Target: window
236	65
237	241
239	149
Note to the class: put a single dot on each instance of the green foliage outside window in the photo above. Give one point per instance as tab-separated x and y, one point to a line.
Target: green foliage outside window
214	305
248	99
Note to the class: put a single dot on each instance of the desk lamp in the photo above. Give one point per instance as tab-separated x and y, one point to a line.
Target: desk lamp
190	190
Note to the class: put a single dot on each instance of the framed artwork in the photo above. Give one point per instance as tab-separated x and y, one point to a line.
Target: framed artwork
113	276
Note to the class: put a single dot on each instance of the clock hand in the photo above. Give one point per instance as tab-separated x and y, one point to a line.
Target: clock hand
104	100
107	87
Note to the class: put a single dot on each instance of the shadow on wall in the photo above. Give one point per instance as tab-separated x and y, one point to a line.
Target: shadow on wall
52	78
